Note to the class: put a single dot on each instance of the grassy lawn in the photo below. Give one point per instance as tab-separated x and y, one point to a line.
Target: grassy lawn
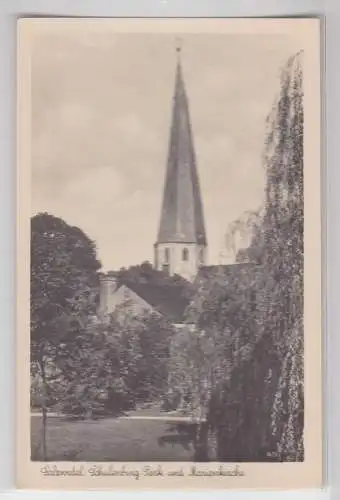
112	440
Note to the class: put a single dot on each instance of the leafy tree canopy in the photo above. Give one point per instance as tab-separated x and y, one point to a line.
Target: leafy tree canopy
64	277
146	273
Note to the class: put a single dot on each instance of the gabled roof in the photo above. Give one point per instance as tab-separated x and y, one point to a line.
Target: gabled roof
182	212
169	300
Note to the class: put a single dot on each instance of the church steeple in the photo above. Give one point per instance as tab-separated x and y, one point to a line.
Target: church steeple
181	243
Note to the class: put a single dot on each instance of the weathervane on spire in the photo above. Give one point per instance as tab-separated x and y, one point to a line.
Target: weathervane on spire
178	45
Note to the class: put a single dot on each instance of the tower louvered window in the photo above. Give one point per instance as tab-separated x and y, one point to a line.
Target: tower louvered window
185	254
201	256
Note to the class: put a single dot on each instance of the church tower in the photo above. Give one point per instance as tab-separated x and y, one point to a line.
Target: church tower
181	246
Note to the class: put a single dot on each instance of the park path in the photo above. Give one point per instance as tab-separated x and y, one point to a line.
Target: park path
167	417
174	418
153	413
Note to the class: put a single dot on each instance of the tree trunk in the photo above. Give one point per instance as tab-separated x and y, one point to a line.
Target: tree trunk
212	445
44	428
201	443
44	410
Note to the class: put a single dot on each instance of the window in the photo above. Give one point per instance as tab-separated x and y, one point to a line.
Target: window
166	255
201	256
185	254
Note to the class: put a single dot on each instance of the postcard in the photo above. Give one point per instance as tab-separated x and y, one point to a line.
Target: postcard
169	264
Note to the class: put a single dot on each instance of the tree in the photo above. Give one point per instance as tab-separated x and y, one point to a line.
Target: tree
225	311
278	247
241	235
155	335
192	376
63	293
100	373
115	365
146	273
283	230
253	316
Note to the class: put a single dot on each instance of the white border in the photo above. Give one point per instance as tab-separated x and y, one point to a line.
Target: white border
9	10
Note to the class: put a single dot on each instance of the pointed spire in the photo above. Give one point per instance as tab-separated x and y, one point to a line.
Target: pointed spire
179	47
182	212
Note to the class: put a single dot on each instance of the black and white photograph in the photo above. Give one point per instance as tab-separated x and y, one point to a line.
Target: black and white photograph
167	248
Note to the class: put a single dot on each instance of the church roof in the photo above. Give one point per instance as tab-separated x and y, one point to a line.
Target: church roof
169	300
182	212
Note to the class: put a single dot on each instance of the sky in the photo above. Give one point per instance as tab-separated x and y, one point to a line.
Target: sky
101	112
